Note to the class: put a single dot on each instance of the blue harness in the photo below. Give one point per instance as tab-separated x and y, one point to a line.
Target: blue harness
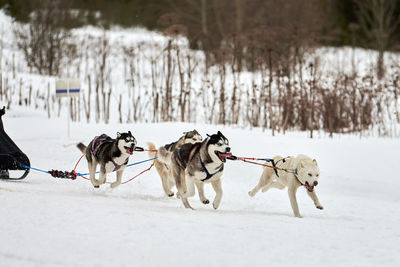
209	175
180	157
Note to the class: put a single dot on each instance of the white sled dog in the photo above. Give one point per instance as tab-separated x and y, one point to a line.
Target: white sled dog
163	169
196	164
111	154
300	171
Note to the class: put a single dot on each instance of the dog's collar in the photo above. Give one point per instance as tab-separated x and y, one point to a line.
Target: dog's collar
209	176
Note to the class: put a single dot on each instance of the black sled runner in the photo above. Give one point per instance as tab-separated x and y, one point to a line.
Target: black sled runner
11	157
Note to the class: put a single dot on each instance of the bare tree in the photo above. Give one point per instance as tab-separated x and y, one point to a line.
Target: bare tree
43	39
379	21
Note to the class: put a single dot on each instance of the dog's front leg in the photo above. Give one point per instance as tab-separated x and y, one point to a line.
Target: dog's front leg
314	197
218	193
200	188
293	201
119	178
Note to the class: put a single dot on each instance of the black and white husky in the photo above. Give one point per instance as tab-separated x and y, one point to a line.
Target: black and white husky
196	164
163	169
111	154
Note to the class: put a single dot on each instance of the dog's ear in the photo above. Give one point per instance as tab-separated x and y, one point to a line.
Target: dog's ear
129	132
314	161
208	135
118	134
219	133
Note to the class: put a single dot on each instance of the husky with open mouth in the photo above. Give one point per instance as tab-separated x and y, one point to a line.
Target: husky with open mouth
163	169
299	171
111	154
197	164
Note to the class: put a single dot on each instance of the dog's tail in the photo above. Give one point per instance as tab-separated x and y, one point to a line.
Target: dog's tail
81	147
151	150
164	155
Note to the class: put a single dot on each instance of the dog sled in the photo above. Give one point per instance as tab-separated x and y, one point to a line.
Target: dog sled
11	157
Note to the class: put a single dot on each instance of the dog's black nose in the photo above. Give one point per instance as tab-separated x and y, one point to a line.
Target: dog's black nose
227	149
315	183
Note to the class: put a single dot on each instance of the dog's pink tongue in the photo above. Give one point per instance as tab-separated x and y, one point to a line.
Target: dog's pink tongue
226	155
129	150
309	187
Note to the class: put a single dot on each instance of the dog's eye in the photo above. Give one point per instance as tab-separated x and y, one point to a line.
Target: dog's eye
310	174
129	139
317	175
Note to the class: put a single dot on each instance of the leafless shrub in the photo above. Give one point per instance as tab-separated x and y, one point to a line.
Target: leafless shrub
43	40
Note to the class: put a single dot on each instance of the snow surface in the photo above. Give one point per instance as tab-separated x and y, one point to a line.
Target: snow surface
53	222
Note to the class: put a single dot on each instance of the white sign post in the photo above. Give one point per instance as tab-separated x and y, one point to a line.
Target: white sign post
68	88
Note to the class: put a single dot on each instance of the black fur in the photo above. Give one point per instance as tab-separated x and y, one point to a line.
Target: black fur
187	152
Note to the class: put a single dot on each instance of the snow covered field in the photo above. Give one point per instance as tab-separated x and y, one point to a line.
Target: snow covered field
53	222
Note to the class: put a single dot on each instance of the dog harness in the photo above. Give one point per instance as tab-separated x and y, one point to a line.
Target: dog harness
209	175
293	171
98	141
180	157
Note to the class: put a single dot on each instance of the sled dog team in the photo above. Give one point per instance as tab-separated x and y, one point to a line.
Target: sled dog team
192	162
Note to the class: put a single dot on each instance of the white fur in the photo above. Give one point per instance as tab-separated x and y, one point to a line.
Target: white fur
304	166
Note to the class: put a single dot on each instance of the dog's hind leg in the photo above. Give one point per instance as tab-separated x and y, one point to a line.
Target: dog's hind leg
164	175
92	165
200	189
218	193
181	186
274	184
265	180
119	178
103	175
171	184
166	185
314	197
190	186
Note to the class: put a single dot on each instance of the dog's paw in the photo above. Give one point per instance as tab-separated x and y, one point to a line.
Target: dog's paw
298	216
114	185
215	206
206	201
251	193
320	207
